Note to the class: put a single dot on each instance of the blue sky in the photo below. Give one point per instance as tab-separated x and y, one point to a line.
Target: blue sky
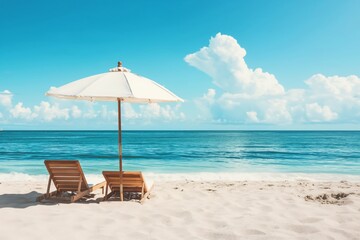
46	44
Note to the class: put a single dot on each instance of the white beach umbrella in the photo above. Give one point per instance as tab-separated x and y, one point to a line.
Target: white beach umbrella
119	85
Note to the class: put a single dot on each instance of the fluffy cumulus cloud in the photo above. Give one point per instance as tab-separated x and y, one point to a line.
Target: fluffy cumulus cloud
277	112
317	113
76	112
254	96
105	113
339	87
62	111
19	111
49	112
5	98
153	111
252	116
223	60
44	111
205	103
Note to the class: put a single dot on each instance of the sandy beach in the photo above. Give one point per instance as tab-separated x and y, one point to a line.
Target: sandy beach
191	208
231	120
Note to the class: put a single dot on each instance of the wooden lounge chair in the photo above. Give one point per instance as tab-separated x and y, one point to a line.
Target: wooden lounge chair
130	182
68	176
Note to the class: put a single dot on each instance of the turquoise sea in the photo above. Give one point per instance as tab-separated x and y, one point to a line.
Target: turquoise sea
185	151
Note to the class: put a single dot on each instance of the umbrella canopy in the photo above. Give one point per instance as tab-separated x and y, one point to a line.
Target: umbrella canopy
119	85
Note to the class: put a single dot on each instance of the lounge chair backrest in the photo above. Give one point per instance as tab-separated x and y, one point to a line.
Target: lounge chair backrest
132	181
66	175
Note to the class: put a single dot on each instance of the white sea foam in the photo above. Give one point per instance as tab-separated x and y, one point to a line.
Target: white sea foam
201	176
15	177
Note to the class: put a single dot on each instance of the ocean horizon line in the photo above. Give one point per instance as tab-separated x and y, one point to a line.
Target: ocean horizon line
172	130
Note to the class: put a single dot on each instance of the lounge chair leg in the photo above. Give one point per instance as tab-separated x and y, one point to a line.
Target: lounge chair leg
142	191
106	192
146	195
121	193
79	186
48	187
108	195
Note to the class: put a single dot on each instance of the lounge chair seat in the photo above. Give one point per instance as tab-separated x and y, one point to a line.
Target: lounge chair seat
67	176
130	182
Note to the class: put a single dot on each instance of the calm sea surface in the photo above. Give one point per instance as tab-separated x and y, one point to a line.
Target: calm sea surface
185	151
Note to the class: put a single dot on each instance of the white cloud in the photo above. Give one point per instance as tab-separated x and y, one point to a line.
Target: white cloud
256	96
277	112
317	113
273	111
153	111
49	112
334	85
65	110
108	114
223	60
209	96
94	110
90	112
44	111
252	116
6	98
76	112
19	111
205	103
129	111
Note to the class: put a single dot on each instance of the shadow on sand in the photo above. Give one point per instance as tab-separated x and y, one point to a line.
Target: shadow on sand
29	199
19	200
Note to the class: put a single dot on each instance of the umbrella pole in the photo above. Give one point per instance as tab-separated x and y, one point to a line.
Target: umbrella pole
120	148
119	134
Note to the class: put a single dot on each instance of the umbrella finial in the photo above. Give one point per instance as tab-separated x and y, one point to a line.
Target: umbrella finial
119	68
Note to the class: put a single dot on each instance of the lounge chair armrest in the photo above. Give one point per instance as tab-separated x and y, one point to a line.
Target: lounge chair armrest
98	186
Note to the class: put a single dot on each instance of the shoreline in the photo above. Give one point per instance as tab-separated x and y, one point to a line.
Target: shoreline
203	176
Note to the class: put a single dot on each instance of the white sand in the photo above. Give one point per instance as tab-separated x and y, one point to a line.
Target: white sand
187	209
